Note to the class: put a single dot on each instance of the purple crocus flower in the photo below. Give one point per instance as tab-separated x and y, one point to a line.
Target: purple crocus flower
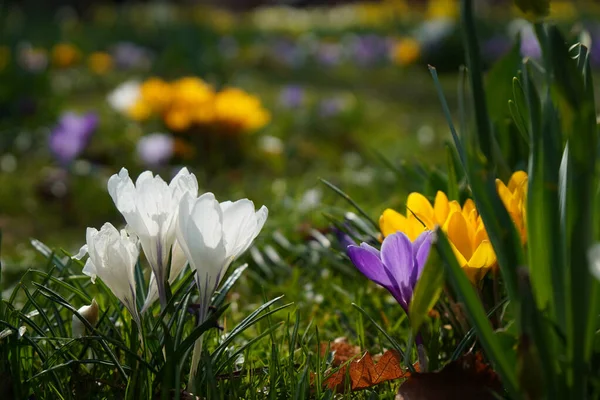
71	135
397	267
343	238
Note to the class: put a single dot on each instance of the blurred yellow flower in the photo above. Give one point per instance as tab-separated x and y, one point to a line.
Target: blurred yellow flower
100	62
237	111
514	198
442	9
190	101
191	92
156	93
462	225
65	55
178	119
405	51
140	111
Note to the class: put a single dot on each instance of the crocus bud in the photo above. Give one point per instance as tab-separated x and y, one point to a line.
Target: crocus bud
90	313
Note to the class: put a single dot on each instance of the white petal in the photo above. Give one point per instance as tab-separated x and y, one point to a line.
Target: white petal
239	222
178	263
82	252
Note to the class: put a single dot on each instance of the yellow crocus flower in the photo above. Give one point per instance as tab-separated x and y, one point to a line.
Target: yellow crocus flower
514	198
462	225
420	215
470	242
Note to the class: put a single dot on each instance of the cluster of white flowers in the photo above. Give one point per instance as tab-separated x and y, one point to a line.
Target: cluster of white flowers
169	222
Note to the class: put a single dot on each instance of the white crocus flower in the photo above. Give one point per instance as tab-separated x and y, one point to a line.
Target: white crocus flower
124	96
150	208
212	235
178	263
90	313
112	258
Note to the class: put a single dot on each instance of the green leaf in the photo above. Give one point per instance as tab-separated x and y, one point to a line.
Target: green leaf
498	88
572	88
427	292
546	260
477	316
485	135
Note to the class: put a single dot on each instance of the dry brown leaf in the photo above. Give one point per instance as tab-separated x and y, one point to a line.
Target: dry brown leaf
467	378
364	373
341	349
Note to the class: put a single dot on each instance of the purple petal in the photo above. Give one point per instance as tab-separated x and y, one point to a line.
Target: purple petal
370	248
397	256
369	265
421	248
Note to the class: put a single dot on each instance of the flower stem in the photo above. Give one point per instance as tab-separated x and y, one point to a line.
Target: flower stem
195	364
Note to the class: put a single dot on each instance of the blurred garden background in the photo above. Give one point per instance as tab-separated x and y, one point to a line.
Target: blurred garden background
260	99
342	92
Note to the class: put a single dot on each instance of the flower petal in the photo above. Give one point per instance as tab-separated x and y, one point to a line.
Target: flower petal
391	221
458	234
421	249
369	265
397	256
441	207
419	206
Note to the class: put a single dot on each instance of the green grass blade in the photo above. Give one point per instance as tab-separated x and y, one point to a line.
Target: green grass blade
427	291
477	316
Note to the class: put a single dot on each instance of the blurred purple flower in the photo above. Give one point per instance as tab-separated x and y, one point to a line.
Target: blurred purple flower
71	135
595	46
496	47
155	149
329	54
530	47
331	107
291	96
286	52
367	50
127	55
397	267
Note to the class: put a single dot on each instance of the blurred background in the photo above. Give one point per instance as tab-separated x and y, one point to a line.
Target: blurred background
259	99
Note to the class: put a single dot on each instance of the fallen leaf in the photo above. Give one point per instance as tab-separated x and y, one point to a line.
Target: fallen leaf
467	378
341	349
364	373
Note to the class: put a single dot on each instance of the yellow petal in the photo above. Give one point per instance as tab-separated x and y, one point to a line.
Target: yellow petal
484	256
454	206
475	274
459	257
458	234
418	205
391	221
415	227
441	208
516	180
468	207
